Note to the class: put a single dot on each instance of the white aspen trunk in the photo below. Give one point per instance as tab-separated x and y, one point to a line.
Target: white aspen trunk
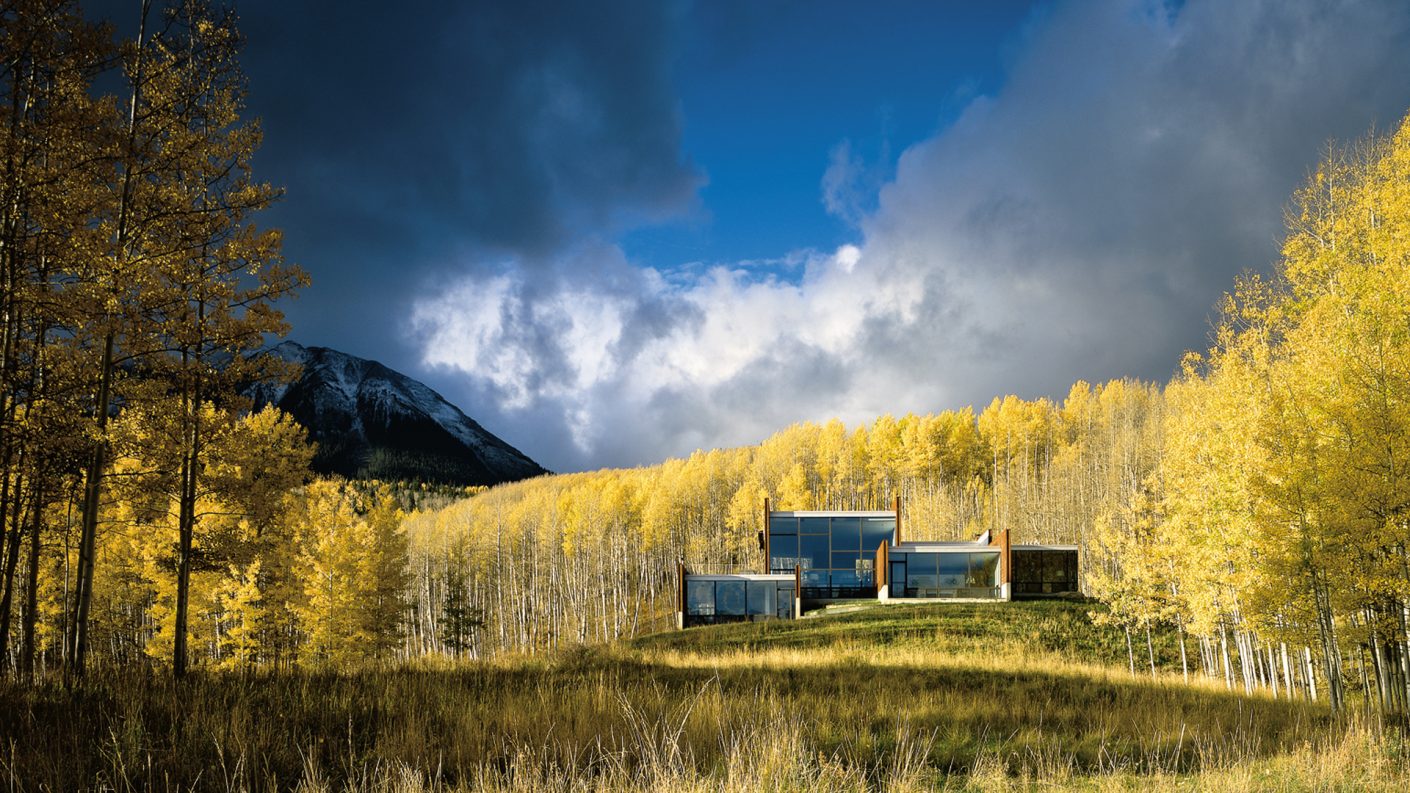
640	595
520	637
1243	660
1224	656
478	602
1184	657
1287	671
606	610
1260	670
1259	662
497	572
1365	678
1311	673
1150	649
1243	663
1378	666
1255	659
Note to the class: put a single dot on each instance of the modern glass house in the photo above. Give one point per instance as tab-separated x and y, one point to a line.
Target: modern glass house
817	557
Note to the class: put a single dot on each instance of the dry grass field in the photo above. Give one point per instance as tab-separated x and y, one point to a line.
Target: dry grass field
942	697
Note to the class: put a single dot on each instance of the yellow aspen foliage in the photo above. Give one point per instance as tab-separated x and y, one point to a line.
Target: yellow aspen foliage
795	491
746	508
353	562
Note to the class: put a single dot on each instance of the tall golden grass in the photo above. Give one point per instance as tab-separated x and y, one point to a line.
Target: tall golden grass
800	707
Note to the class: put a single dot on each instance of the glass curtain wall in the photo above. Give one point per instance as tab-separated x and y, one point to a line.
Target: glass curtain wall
711	601
1044	572
949	574
835	552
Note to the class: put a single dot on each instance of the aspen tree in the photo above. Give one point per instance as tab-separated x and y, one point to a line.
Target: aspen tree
219	287
117	283
353	562
48	184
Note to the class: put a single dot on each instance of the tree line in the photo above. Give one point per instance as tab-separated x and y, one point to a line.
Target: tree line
563	559
1279	516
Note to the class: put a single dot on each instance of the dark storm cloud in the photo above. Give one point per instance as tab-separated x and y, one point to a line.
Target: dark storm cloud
515	125
418	137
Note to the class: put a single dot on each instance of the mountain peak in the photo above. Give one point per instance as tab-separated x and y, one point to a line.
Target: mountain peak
371	421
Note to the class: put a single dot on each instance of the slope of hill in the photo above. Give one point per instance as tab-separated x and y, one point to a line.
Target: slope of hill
372	422
1022	696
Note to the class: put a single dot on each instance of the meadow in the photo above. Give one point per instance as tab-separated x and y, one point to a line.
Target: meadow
935	697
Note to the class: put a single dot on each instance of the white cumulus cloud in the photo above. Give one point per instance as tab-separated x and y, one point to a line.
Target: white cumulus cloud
1080	223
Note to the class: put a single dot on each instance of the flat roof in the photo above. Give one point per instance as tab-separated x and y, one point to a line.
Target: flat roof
938	547
740	577
961	545
835	513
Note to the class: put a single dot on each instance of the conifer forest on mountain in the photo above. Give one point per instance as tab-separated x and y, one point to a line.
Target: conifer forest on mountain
184	605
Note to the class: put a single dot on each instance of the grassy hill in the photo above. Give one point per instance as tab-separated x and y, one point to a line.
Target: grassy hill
934	697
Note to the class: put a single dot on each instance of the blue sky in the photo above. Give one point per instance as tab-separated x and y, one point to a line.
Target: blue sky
621	230
769	91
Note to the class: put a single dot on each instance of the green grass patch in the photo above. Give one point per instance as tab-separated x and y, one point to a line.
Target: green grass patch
1053	626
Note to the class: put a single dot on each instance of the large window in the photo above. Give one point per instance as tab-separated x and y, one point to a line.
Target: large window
951	568
715	600
836	552
814	552
729	598
874	530
952	574
783	552
846	534
983	570
1044	571
763	597
700	598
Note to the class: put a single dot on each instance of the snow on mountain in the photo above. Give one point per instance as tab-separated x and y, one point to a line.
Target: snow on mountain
372	422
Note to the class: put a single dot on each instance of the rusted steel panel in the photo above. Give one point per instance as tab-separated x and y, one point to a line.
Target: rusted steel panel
881	564
768	538
680	587
1005	544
